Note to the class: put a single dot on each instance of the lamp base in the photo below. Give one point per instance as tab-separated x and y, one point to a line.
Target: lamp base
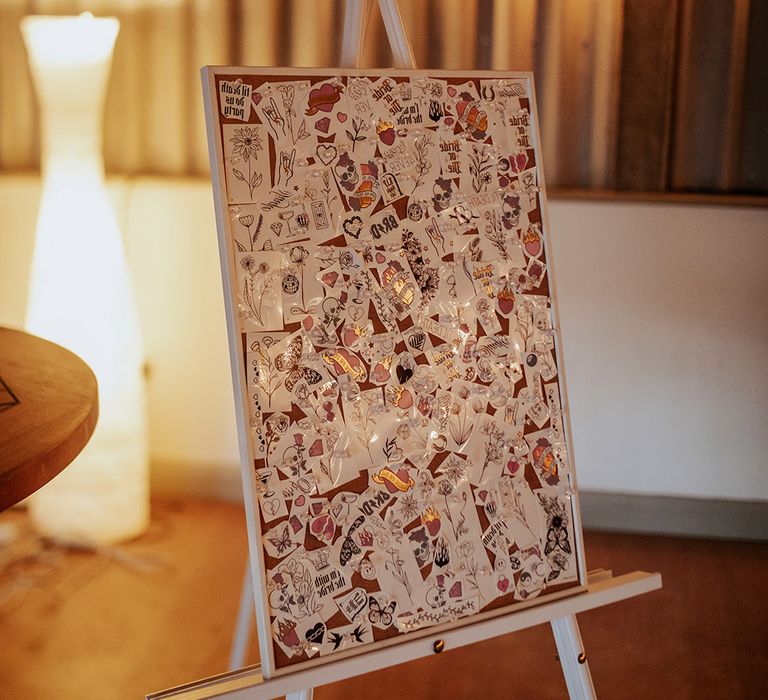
100	499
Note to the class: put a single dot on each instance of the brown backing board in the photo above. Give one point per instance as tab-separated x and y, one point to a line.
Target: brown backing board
399	381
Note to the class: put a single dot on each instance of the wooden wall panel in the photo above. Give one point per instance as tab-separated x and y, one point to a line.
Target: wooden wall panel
700	118
546	62
518	18
752	175
647	89
605	84
576	61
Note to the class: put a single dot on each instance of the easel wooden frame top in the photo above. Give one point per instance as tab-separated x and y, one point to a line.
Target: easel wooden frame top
603	587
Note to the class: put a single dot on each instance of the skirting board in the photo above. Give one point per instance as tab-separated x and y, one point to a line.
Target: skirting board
196	480
670	515
616	512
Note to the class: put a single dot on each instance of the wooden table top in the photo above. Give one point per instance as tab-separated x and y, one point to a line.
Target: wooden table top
48	410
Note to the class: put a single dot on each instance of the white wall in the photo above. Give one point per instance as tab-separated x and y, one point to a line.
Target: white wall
173	246
664	311
664	320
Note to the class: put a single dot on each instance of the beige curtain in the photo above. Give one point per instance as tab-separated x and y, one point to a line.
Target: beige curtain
663	100
154	114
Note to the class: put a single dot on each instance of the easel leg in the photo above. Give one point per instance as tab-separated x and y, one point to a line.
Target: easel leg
356	13
245	615
573	658
300	695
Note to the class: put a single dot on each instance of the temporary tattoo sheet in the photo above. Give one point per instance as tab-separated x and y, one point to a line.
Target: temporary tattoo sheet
385	244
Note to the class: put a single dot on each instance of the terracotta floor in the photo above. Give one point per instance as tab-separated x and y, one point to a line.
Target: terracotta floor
160	611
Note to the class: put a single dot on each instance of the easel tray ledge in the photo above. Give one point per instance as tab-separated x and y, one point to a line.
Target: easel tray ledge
248	683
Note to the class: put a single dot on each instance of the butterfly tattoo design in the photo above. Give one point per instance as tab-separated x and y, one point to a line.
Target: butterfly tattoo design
282	541
378	615
557	537
348	547
289	362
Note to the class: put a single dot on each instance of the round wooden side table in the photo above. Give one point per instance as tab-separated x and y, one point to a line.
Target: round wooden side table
48	410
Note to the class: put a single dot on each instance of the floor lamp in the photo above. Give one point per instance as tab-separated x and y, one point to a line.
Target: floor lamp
80	289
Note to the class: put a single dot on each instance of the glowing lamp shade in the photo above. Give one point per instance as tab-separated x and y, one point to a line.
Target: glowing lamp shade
80	290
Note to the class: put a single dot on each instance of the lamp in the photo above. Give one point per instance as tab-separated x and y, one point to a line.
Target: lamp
80	290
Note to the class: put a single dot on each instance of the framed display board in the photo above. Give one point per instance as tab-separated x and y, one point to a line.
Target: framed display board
398	375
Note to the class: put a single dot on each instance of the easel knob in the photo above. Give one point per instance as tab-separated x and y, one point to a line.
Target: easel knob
438	646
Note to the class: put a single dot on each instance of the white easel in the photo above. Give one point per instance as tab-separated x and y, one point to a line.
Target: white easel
603	588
